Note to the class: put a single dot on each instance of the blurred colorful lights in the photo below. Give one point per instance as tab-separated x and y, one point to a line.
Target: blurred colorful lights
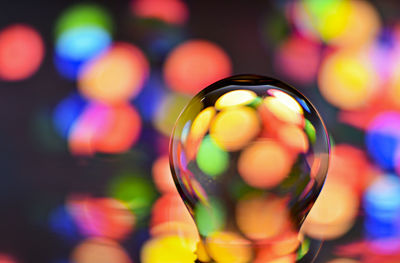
383	140
195	64
82	32
115	76
169	11
262	218
83	16
299	58
264	164
101	217
162	177
226	247
99	250
21	52
211	159
334	211
347	80
4	258
106	129
382	207
167	112
235	127
136	192
168	249
78	45
382	198
67	112
330	38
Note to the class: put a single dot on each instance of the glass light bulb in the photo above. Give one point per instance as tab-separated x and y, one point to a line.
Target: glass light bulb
249	156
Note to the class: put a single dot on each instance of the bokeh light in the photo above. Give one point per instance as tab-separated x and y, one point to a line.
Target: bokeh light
298	58
170	208
264	164
333	213
106	129
4	258
91	92
116	75
99	250
21	52
382	207
227	247
168	249
347	80
67	112
168	11
195	64
343	260
167	112
357	33
383	139
101	217
136	192
78	45
81	16
162	176
350	166
262	218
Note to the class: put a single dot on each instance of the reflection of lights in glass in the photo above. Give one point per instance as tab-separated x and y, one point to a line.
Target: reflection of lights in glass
169	11
234	128
285	109
116	75
235	98
227	247
294	138
245	132
195	64
262	218
168	249
264	164
201	123
21	52
211	159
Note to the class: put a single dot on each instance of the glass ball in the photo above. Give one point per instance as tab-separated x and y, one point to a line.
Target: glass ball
249	156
